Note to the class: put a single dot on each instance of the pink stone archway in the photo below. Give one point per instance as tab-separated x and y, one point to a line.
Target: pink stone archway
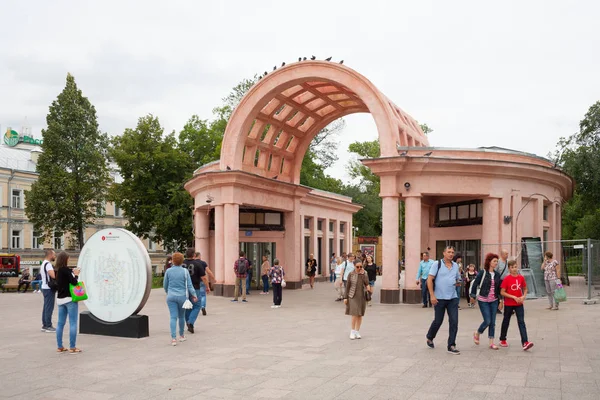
272	127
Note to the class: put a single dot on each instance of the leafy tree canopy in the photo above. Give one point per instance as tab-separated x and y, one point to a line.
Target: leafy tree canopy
73	171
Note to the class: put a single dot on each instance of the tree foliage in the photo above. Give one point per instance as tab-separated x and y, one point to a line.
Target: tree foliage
73	171
151	194
579	156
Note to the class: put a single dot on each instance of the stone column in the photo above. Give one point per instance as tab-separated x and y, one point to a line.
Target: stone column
294	237
219	267
552	237
202	237
516	223
490	238
558	223
231	245
336	239
326	250
390	292
412	293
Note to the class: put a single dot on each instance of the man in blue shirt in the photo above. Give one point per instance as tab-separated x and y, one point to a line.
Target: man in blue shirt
443	275
422	275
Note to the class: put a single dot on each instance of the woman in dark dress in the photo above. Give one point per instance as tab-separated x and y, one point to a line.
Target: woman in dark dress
371	269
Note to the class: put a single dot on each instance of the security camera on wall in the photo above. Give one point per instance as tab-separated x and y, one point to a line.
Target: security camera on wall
209	198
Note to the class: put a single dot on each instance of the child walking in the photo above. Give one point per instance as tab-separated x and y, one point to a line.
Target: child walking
469	278
514	290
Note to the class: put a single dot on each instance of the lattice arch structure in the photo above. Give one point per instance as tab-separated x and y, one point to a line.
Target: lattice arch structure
270	130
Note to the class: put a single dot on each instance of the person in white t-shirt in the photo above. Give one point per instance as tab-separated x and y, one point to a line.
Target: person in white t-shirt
47	272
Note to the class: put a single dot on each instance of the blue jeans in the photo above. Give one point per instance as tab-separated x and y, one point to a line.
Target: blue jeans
265	280
49	298
192	315
38	283
424	292
520	311
248	281
488	311
175	304
451	307
71	309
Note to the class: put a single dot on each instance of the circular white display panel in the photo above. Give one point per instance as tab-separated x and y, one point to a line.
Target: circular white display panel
117	273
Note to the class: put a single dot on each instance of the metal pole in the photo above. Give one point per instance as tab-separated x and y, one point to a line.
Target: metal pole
589	263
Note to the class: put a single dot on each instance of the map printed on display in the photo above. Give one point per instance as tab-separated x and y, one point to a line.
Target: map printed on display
117	273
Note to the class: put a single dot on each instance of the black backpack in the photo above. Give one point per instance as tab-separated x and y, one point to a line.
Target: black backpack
52	284
242	266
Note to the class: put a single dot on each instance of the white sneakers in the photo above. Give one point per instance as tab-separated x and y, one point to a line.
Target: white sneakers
354	335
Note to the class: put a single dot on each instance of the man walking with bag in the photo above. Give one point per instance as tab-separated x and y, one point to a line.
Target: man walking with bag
442	280
240	267
48	290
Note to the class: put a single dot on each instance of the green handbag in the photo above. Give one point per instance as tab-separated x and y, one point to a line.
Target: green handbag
78	292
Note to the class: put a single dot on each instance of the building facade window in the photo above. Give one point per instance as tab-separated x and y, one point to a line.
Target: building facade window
320	225
16	239
331	225
459	214
37	242
17	198
117	211
306	223
59	242
342	227
545	212
151	245
101	209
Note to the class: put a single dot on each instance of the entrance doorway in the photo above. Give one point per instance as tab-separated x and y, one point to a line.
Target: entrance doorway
470	250
254	252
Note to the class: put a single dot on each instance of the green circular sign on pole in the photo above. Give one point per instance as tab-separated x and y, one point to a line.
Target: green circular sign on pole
11	138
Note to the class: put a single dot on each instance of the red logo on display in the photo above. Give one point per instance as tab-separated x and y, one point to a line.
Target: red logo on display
103	238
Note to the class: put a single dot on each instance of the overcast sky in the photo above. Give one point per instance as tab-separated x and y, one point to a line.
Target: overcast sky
516	74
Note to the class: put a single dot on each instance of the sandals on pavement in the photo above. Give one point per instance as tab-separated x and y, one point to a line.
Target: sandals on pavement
476	338
493	347
74	350
61	350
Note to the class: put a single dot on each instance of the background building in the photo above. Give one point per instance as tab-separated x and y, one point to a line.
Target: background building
17	234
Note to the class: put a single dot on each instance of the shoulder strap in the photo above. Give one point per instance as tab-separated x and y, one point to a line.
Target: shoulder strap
438	269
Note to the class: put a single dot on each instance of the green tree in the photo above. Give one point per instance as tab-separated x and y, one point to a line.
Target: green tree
366	191
151	193
579	156
73	171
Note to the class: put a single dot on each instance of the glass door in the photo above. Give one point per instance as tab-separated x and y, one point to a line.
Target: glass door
254	253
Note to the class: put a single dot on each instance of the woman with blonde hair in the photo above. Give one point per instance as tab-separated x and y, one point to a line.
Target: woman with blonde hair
355	300
178	286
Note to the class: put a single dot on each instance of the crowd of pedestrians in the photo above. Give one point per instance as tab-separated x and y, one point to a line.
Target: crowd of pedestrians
497	285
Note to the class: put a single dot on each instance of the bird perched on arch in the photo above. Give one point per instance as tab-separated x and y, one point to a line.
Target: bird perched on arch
274	68
313	58
341	62
328	58
304	59
283	64
265	73
299	58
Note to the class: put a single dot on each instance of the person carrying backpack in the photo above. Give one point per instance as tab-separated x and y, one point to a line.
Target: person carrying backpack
240	267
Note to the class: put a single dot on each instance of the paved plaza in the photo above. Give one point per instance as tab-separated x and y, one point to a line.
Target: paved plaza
302	351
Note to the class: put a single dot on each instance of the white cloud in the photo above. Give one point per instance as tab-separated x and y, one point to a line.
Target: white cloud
513	74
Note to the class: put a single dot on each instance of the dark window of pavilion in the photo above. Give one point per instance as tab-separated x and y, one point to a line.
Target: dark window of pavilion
256	220
459	214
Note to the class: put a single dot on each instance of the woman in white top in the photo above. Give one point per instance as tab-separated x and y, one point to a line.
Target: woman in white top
339	283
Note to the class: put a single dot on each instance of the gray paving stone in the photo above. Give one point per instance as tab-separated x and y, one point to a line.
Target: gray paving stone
302	351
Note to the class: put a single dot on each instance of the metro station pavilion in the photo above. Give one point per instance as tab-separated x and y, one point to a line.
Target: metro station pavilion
251	198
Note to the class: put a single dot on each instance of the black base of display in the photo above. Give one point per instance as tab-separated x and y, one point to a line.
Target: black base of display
135	326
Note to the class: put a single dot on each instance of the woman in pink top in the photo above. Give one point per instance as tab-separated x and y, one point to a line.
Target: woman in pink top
486	288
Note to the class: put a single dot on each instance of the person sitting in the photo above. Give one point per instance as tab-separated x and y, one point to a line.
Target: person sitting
25	280
37	281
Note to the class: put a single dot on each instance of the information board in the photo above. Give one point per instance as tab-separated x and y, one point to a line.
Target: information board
117	272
